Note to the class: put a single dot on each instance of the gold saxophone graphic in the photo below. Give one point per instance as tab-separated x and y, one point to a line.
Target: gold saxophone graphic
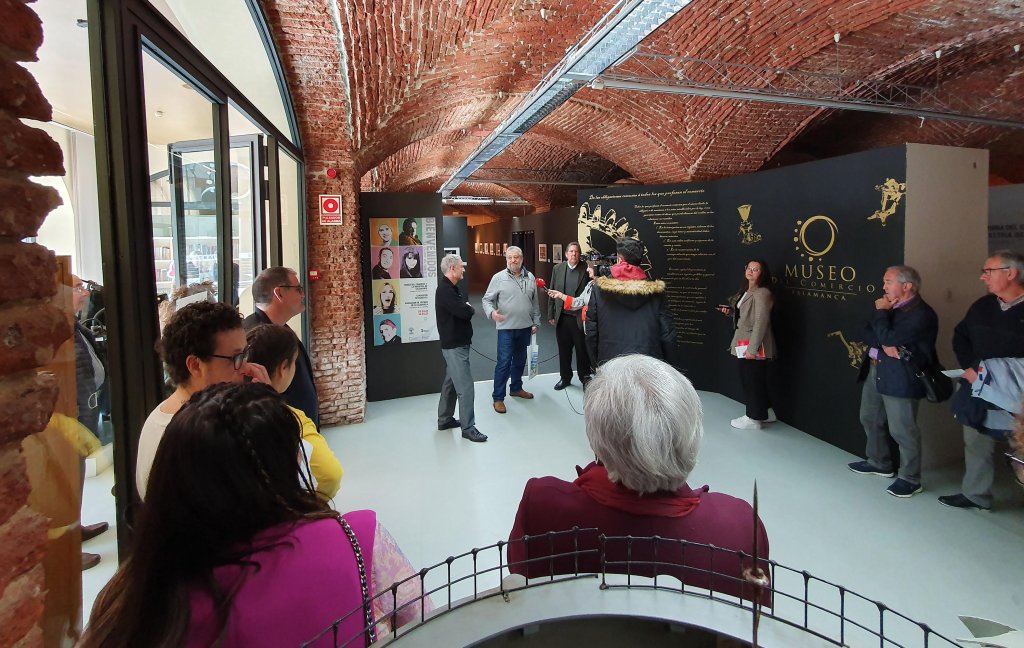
892	194
747	234
854	350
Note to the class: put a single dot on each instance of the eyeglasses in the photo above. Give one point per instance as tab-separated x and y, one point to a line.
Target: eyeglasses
81	288
237	360
987	272
296	287
753	268
1012	459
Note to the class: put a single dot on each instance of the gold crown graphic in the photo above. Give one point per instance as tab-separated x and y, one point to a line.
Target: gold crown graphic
597	230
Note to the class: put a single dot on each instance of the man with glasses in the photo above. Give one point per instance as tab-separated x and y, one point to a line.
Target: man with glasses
992	328
203	344
279	296
90	375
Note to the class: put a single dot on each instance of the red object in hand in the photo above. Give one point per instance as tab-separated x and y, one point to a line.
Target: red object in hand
540	283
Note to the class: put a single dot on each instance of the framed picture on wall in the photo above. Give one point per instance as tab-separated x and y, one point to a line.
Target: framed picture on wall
504	249
542	252
456	251
556	253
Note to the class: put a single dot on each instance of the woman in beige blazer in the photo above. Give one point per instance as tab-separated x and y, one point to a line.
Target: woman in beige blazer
751	309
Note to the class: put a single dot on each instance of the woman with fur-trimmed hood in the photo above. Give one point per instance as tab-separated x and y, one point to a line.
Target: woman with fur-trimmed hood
627	312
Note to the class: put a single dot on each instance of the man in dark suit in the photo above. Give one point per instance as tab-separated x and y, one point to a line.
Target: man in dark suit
902	321
569	277
280	296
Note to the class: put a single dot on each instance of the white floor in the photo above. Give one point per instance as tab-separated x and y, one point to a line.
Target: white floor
441	495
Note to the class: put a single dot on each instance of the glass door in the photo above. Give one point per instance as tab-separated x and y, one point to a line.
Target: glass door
195	248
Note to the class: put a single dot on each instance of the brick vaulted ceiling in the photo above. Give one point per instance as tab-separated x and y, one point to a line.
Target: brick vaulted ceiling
402	91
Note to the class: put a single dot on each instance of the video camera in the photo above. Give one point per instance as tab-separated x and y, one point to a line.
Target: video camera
602	263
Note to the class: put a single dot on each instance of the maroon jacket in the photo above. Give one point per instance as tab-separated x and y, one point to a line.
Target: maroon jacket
550	504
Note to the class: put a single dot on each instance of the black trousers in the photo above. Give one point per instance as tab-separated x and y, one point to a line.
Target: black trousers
570	336
754	380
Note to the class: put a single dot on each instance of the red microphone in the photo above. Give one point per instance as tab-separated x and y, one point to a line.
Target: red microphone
540	283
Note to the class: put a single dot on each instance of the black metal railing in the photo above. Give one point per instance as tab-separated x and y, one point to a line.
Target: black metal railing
796	598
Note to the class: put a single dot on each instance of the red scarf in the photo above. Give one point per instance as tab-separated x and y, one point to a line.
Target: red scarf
594	481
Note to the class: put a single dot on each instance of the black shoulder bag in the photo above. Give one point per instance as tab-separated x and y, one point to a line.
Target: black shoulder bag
938	387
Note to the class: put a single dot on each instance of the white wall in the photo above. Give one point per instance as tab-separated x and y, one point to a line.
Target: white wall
947	241
74	227
1006	218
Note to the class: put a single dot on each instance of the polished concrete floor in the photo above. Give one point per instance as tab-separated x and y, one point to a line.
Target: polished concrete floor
441	495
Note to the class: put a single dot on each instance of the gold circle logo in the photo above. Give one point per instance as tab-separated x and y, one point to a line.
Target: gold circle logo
808	252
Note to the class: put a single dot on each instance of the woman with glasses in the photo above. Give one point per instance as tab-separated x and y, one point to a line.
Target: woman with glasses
753	343
277	349
234	547
203	344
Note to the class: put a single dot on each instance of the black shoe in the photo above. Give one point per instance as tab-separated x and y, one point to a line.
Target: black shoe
474	435
91	531
562	384
89	560
960	501
454	423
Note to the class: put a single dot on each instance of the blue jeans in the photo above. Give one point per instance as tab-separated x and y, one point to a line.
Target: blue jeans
512	345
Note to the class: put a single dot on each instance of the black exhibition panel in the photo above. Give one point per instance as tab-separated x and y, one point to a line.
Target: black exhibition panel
827	231
406	368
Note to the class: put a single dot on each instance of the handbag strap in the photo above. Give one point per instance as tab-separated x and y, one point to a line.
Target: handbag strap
364	585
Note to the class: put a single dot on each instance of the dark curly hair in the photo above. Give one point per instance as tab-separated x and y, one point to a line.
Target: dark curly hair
193	331
271	345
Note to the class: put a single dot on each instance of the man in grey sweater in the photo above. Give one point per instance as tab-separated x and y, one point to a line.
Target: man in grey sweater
511	302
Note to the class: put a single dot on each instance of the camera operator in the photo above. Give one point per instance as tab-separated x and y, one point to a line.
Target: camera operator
627	312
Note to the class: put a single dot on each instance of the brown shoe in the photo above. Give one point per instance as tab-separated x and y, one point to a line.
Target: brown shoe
522	393
90	531
89	560
499	407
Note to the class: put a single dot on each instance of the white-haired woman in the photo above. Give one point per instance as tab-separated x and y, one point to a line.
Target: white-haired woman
644	423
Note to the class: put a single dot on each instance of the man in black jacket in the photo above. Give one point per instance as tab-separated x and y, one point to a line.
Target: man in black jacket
992	328
891	392
279	296
627	312
569	277
455	328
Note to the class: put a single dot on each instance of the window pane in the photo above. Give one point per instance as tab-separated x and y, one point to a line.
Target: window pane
183	186
292	228
233	44
247	203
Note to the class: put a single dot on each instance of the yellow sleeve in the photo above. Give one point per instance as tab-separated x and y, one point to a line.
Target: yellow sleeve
322	463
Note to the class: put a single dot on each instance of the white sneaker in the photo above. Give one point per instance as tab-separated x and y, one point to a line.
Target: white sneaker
771	416
745	423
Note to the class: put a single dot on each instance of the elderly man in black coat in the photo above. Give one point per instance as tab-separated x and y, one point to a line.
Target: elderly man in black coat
902	322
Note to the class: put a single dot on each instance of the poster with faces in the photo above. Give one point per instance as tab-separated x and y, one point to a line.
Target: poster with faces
403	276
